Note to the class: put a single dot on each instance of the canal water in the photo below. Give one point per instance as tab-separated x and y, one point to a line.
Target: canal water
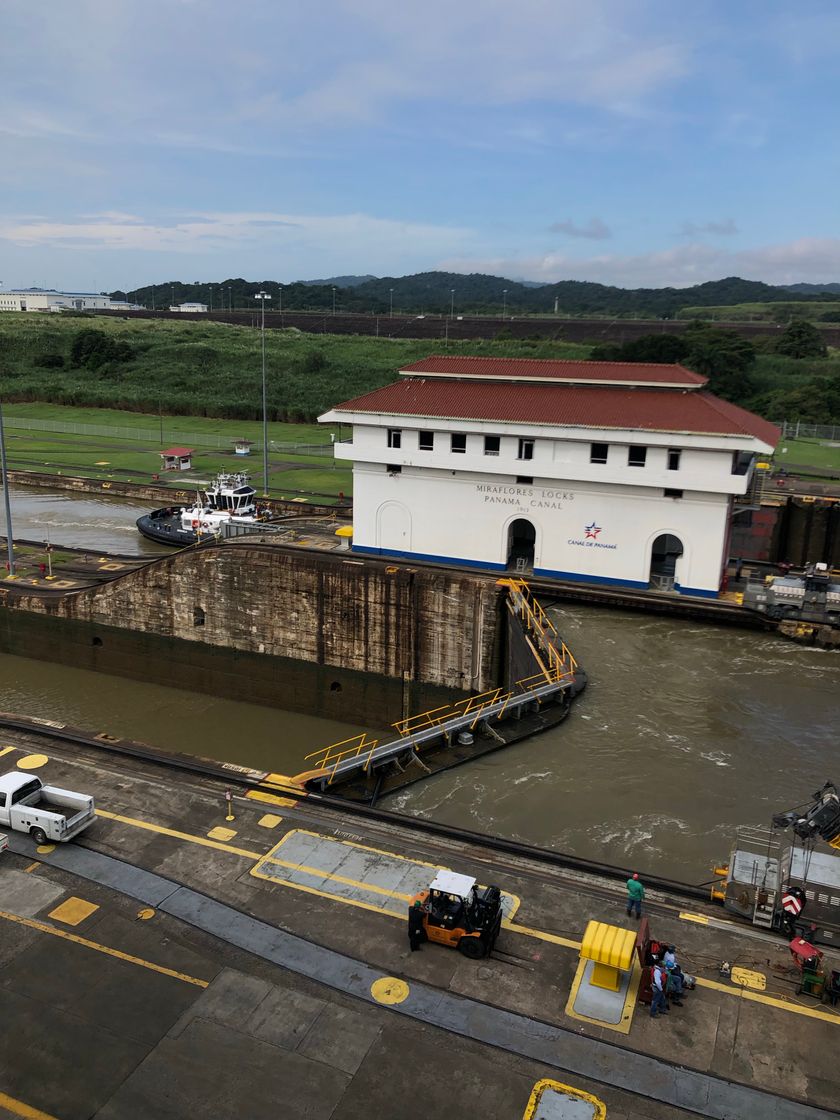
684	732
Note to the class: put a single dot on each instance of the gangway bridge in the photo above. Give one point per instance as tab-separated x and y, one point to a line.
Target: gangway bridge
363	768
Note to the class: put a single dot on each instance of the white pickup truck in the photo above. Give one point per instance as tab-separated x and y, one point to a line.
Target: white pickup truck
45	812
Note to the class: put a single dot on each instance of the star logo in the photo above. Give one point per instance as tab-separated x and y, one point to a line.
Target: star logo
591	531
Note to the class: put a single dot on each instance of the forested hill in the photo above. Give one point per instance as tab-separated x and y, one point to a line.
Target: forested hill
435	293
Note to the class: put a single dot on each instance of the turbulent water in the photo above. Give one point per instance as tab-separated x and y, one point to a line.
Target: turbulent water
684	732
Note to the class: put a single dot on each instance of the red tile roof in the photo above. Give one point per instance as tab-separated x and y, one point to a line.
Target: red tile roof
584	406
646	373
180	451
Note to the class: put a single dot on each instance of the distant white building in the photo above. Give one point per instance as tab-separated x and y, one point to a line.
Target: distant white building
602	472
48	299
189	307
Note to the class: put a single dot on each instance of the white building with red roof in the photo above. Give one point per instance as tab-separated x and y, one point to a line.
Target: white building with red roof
603	472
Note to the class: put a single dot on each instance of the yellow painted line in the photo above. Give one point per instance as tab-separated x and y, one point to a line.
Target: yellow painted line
31	867
269	820
771	1001
271	798
32	762
219	833
161	830
18	1108
541	935
701	919
5	750
73	911
33	923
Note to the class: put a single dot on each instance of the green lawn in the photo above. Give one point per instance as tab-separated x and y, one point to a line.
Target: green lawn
807	453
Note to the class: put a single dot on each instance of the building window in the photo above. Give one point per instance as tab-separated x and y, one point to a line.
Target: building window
492	445
393	468
426	441
459	442
672	493
598	452
524	480
395	437
741	461
674	459
526	449
636	456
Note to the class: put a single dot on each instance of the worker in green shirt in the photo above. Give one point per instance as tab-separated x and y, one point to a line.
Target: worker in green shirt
635	894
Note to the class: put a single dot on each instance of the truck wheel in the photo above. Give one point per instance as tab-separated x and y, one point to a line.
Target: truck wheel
472	947
38	835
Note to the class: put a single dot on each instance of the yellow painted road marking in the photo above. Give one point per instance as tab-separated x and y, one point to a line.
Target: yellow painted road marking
145	913
45	849
749	979
269	820
541	935
31	867
389	990
73	911
32	761
629	1006
271	798
33	923
771	1001
219	833
18	1108
159	828
701	919
5	750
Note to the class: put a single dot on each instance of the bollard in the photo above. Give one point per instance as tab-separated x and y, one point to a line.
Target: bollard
229	805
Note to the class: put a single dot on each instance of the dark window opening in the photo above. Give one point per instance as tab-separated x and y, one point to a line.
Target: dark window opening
667	493
96	641
598	452
741	461
636	456
674	459
393	468
335	687
395	437
492	445
199	616
459	442
426	441
526	449
524	480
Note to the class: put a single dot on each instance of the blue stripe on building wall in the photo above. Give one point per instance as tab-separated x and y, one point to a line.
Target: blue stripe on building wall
546	573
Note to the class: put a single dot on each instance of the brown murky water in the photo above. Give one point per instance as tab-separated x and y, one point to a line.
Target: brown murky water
685	731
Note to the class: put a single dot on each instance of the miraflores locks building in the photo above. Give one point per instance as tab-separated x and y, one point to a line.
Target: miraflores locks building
604	472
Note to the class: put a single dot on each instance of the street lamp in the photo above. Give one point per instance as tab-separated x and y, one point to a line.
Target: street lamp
280	298
333	301
230	300
262	297
211	298
451	303
391	310
172	290
504	302
9	535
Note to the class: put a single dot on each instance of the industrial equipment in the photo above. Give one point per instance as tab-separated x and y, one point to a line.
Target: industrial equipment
784	884
812	597
458	913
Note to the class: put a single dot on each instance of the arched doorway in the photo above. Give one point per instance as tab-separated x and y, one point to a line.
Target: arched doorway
521	539
393	527
664	554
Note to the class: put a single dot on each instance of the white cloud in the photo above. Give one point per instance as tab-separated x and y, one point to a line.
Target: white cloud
594	230
809	259
345	234
725	228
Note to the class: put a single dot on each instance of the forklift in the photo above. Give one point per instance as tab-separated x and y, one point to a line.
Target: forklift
457	913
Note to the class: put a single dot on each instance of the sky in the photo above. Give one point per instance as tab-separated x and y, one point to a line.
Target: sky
629	142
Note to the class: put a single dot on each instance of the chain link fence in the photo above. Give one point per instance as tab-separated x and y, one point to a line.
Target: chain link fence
795	429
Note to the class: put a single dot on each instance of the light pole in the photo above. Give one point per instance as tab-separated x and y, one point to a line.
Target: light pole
391	309
9	535
280	298
262	297
451	303
172	290
504	302
211	299
230	300
333	301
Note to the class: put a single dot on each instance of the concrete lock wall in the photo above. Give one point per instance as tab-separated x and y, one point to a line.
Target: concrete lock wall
357	641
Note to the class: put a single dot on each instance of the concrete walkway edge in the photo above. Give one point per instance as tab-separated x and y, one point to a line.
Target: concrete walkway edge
566	1050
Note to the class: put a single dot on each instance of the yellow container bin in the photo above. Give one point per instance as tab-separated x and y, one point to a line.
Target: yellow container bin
610	948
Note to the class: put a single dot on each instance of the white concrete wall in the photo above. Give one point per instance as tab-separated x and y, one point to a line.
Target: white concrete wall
466	517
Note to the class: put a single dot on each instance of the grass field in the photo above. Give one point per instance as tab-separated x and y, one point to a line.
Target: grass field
819	311
214	370
808	453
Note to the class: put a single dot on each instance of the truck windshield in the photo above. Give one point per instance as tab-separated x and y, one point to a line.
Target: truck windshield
24	791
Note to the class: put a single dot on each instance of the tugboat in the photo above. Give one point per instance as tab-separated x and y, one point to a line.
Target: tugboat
229	500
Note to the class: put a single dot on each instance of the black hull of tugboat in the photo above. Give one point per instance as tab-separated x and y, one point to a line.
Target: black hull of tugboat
165	529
